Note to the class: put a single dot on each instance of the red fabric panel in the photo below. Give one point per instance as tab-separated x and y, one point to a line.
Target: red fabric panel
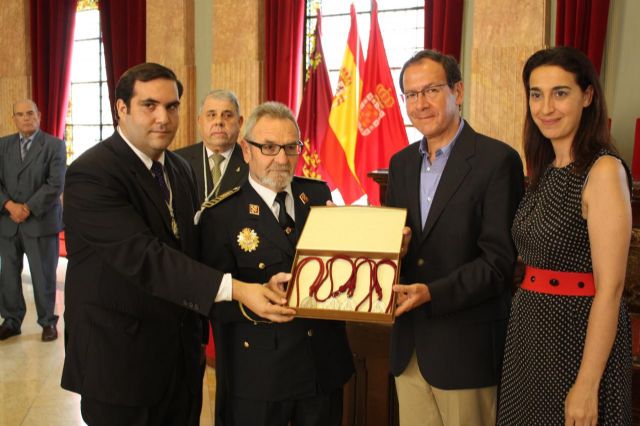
284	35
62	246
210	349
635	164
52	25
381	131
443	26
124	35
583	24
313	117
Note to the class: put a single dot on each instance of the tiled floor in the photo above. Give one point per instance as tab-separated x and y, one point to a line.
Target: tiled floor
30	370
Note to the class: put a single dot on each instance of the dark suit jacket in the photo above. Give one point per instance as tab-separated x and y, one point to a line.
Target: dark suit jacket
235	174
134	297
466	257
278	361
37	180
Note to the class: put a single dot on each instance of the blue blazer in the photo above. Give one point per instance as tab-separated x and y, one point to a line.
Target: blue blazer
465	254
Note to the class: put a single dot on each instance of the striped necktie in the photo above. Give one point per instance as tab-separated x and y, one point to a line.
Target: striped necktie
25	144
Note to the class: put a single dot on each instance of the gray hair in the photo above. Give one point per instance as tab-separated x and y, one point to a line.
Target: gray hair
224	95
272	110
26	100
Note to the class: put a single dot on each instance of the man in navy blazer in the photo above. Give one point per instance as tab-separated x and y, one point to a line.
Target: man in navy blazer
461	190
32	167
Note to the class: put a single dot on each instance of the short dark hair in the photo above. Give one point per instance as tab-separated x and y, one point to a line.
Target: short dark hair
146	71
448	62
593	131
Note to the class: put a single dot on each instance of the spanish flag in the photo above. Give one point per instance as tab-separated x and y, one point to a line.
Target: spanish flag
381	131
313	117
339	148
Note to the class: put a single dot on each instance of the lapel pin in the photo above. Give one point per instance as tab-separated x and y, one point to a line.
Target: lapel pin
254	209
304	198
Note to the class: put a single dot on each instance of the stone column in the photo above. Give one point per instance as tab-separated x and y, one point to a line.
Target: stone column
505	34
15	67
170	42
238	50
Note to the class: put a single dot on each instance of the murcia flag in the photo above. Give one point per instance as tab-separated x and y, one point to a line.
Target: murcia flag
381	131
314	112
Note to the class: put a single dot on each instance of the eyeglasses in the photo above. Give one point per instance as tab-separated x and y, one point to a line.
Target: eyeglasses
429	92
273	149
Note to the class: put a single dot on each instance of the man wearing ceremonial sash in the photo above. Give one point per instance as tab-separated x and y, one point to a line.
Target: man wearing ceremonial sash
271	374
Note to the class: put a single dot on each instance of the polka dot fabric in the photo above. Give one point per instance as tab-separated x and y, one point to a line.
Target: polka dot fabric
546	334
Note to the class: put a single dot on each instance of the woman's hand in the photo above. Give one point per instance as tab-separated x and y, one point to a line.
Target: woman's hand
581	405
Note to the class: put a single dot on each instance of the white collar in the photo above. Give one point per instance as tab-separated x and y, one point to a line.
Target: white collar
267	195
148	162
226	154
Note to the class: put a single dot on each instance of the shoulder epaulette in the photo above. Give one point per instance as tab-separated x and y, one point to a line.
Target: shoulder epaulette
220	198
310	179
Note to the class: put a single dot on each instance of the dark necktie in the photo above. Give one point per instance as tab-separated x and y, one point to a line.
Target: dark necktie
158	174
25	144
286	222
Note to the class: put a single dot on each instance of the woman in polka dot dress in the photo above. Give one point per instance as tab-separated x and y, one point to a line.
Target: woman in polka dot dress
568	351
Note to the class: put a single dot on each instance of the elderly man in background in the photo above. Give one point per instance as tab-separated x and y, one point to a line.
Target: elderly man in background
32	168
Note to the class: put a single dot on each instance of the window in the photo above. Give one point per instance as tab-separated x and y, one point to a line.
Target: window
89	114
401	24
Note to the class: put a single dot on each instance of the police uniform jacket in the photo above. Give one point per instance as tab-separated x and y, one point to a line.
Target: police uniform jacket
268	361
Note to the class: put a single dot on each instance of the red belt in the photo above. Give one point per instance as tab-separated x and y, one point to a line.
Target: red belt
558	283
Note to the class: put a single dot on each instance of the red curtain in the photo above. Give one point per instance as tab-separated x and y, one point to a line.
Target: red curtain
284	30
443	26
52	25
635	164
583	24
123	25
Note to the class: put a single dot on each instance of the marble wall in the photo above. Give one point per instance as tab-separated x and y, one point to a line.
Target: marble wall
238	50
170	42
505	34
15	66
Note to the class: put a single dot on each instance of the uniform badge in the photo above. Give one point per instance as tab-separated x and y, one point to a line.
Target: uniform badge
254	209
304	198
248	240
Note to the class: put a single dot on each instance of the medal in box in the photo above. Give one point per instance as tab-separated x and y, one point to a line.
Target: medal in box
347	260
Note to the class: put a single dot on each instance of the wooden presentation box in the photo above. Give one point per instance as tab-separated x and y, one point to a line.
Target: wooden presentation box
346	262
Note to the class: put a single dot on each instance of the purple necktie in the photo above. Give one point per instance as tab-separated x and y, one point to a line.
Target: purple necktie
158	174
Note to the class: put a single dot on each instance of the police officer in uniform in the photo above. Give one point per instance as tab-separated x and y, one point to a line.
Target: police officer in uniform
271	374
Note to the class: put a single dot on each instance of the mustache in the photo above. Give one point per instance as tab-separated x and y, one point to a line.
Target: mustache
280	168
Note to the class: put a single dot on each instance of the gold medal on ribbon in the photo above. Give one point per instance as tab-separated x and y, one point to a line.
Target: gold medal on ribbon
248	240
174	227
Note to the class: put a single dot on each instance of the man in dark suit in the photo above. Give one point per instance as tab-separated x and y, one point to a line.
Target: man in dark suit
32	166
461	190
134	295
271	374
217	160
